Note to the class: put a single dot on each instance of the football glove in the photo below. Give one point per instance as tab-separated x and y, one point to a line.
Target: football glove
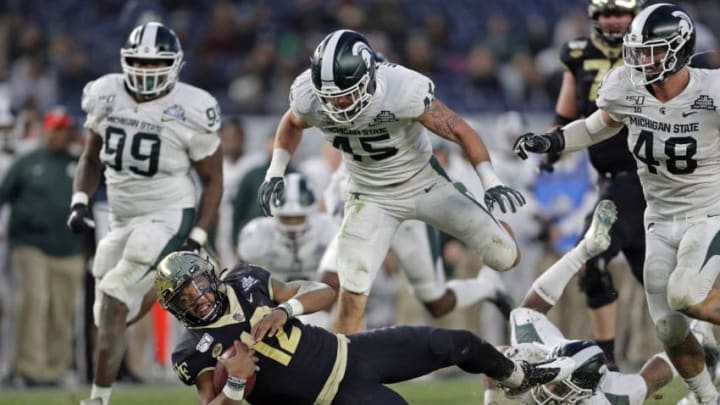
195	241
552	142
500	193
271	190
80	220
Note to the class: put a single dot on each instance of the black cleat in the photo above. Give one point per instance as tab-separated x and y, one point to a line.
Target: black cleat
540	373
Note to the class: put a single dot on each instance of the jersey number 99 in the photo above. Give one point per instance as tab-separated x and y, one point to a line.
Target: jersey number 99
144	151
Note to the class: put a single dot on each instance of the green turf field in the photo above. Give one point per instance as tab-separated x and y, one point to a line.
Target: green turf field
461	391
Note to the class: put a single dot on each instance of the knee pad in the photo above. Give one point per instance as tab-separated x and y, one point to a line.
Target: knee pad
672	329
597	284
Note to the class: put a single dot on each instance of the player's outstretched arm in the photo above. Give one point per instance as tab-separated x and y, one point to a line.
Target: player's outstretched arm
576	135
446	123
287	138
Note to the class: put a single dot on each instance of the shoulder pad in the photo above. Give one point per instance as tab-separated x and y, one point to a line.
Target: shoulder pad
98	97
413	91
613	87
253	239
199	109
303	102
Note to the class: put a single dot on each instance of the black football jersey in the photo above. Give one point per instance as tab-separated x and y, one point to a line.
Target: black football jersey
294	364
589	60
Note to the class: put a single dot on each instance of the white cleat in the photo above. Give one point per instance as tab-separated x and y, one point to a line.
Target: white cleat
597	237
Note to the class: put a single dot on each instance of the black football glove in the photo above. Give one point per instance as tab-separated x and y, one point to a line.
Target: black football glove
552	142
272	189
499	193
80	220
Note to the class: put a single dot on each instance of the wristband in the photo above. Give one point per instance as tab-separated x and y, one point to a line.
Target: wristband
234	388
487	175
292	307
79	197
278	163
198	235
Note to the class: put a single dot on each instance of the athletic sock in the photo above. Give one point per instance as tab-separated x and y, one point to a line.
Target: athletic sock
101	392
552	282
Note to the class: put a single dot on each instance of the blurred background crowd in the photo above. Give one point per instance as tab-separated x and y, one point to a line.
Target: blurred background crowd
494	61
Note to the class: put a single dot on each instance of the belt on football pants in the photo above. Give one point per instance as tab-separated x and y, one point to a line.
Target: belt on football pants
330	389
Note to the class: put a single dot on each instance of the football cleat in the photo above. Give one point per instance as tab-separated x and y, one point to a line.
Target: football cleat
500	298
597	237
544	372
91	401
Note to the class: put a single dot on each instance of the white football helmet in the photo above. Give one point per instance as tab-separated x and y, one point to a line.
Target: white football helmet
660	42
151	43
297	203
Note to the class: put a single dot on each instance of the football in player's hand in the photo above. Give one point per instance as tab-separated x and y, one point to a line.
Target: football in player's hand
220	374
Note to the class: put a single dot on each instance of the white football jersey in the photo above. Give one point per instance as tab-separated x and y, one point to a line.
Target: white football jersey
676	144
262	243
148	147
384	145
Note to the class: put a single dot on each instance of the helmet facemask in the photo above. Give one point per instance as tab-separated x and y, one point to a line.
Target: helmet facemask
150	81
329	96
561	392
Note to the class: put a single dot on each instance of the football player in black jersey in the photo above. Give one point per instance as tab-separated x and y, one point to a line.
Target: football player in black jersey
304	364
586	60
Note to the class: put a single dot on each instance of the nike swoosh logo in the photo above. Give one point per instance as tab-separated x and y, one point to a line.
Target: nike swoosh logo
250	298
427	190
688	113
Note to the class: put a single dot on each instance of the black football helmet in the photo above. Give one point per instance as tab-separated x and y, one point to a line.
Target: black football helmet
343	65
151	42
608	7
661	41
175	273
583	382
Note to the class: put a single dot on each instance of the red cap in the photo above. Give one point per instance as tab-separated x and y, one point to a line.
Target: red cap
57	118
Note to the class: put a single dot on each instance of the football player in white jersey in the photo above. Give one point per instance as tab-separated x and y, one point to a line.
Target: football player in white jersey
417	252
377	115
148	130
674	127
534	337
291	244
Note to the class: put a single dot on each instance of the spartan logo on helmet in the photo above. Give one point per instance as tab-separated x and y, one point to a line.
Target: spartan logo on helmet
151	60
343	74
661	41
